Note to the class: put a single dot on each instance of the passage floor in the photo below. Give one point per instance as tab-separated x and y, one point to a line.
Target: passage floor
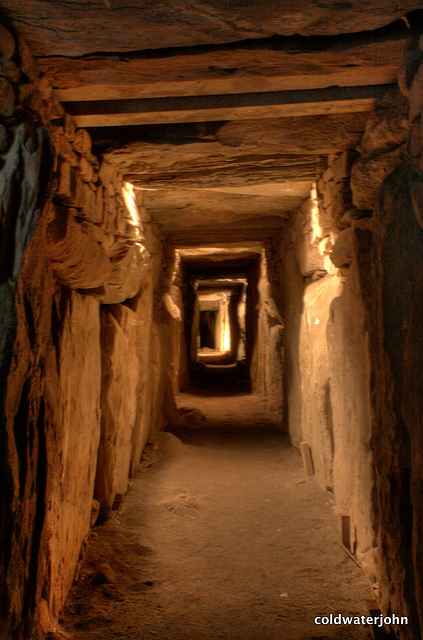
221	538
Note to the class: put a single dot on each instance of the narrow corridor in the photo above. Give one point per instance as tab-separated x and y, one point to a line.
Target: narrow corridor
222	537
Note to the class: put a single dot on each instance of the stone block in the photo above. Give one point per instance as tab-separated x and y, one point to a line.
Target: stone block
32	100
99	204
321	186
64	150
89	204
118	182
110	189
407	69
327	195
64	179
341	203
342	252
76	197
93	160
130	267
77	257
69	127
341	167
95	510
351	216
85	169
328	174
7	43
7	98
27	63
109	213
275	370
120	222
325	246
44	87
368	175
119	370
82	142
106	172
55	110
326	217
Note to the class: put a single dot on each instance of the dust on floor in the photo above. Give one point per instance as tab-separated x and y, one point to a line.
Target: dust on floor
221	538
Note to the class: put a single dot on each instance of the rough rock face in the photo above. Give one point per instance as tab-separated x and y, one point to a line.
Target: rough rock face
348	356
382	148
119	371
399	252
142	27
367	359
84	283
412	397
317	412
292	289
268	357
71	241
77	439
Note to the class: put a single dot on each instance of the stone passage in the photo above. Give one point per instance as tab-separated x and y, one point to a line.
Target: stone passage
215	197
221	538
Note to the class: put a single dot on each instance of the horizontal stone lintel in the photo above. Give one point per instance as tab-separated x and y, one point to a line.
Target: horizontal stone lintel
269	104
120	90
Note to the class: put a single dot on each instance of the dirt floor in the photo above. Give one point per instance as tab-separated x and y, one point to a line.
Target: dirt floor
220	537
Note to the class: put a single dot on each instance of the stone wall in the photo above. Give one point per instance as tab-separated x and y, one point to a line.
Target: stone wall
268	373
79	277
354	342
326	349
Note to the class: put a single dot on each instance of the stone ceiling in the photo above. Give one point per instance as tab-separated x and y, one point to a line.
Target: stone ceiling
225	111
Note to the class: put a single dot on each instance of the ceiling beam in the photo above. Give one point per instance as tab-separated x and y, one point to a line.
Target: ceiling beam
96	86
202	108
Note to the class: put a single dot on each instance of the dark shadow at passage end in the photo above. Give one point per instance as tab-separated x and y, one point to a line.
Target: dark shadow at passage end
219	380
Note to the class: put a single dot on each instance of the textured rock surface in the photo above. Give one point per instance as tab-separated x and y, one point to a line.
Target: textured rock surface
382	148
209	183
77	439
342	252
77	255
396	266
119	370
285	254
64	226
348	353
368	175
141	74
122	28
317	412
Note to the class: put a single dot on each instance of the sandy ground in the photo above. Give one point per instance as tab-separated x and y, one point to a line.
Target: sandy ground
221	538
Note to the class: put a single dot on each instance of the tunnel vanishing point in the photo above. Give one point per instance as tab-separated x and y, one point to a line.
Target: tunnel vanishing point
189	183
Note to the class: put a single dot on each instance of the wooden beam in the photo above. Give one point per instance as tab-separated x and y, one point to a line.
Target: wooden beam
269	104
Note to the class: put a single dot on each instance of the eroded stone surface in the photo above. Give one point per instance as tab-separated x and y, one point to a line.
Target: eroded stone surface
140	26
317	414
119	369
